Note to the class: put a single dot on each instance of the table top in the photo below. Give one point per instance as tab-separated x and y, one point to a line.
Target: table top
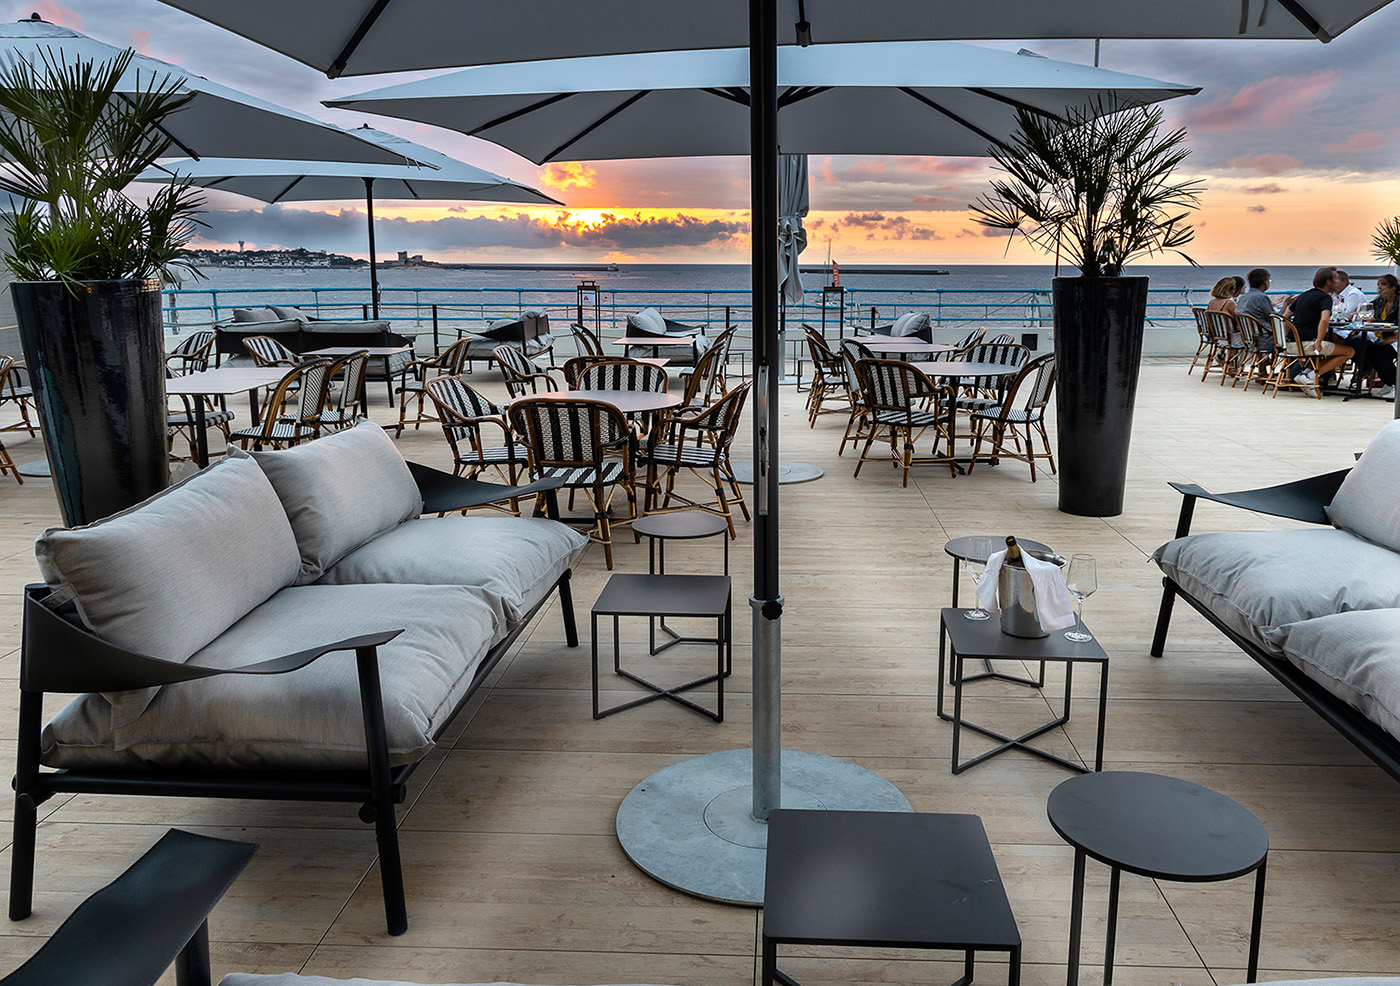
959	547
962	368
347	350
225	380
984	638
677	339
681	525
901	344
1160	827
626	401
882	878
664	595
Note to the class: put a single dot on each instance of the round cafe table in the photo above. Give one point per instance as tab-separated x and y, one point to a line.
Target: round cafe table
902	346
956	369
629	402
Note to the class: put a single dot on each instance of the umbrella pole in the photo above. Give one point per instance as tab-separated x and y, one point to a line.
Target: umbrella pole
766	602
373	263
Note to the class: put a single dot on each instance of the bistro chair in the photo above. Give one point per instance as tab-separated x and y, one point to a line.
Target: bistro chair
1002	339
618	374
16	390
699	442
415	375
1291	354
1261	349
828	377
1218	352
961	347
904	403
181	421
344	408
192	355
980	393
1231	351
522	375
588	445
1205	343
7	464
575	365
303	391
852	352
1023	407
707	377
585	341
464	413
267	351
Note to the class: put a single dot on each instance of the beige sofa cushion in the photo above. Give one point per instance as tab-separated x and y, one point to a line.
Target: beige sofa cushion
340	492
1368	502
306	718
167	576
1354	656
513	560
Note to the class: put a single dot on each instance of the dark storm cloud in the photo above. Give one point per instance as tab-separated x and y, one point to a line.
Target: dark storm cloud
1268	188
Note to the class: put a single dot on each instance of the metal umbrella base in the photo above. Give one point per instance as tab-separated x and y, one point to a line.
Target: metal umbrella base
691	827
788	472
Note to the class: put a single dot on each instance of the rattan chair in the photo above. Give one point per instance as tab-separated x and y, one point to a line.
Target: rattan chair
828	378
1002	339
1218	349
464	413
1205	339
705	382
267	351
16	390
522	375
619	374
344	407
415	375
852	352
1262	349
1023	408
293	414
961	347
699	442
980	393
574	366
1292	352
586	444
903	403
585	341
192	355
1228	340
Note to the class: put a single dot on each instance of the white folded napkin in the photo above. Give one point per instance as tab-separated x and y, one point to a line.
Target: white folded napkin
1054	606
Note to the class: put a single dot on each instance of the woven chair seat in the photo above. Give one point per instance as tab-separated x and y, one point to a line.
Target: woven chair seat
668	454
499	455
611	472
918	418
975	404
281	431
334	418
1017	414
19	393
211	418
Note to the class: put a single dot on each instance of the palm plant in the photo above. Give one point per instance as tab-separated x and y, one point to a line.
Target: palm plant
1385	241
73	144
1095	187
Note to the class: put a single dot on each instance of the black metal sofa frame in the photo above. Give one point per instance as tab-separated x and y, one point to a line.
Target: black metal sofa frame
229	342
519	332
59	656
1302	500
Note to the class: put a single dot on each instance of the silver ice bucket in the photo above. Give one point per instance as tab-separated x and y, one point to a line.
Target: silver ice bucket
1016	597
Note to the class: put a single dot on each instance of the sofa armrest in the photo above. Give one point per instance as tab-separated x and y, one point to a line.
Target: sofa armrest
155	912
1302	499
59	656
445	493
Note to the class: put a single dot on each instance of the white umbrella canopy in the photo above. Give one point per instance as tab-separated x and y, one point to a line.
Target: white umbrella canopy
432	175
359	37
914	97
218	122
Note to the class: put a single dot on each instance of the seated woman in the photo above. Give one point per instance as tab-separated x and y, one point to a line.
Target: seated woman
1380	354
1222	296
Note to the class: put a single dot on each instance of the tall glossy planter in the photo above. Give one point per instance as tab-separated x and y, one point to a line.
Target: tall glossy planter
1098	349
96	357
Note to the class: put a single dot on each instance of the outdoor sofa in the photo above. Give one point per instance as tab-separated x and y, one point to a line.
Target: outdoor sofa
689	341
1318	608
919	325
529	333
280	625
301	332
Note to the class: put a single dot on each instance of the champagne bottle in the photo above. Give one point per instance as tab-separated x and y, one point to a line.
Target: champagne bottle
1013	552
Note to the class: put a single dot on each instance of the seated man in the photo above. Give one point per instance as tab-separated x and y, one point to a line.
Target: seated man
1312	314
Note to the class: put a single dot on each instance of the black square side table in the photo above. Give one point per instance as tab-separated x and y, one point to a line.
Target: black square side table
985	639
958	549
653	596
887	880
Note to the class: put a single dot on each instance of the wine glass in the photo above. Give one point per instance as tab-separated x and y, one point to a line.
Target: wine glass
975	560
1081	580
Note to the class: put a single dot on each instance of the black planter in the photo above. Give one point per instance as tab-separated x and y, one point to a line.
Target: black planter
99	379
1098	348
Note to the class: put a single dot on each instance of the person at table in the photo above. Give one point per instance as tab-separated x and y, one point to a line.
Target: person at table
1254	302
1347	299
1312	314
1222	296
1380	354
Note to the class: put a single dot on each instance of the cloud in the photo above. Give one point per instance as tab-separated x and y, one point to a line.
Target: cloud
1268	188
1367	140
1269	104
569	174
982	231
1255	208
1265	164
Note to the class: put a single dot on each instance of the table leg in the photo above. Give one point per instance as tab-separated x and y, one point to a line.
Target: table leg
1103	713
969	963
957	706
595	667
388	383
942	662
1013	972
1076	919
770	960
1253	973
1112	937
253	411
201	440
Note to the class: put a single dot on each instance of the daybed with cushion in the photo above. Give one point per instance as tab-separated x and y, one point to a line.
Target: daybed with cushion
301	332
916	324
689	340
1318	608
528	333
281	625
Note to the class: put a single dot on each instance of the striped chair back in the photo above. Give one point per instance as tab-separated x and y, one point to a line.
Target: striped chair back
623	375
568	434
1001	339
575	365
267	351
1001	354
892	385
311	395
585	341
969	340
352	367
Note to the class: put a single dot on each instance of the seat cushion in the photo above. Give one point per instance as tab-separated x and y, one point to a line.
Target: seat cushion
340	492
514	561
911	324
1354	656
306	718
292	314
647	322
255	315
1366	504
1260	580
167	576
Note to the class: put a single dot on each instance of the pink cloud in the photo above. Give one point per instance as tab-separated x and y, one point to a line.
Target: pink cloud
140	39
825	174
939	165
1265	105
1264	164
931	200
53	12
1366	140
867	166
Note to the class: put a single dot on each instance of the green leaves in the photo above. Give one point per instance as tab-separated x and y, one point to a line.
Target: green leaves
1385	241
74	142
1096	187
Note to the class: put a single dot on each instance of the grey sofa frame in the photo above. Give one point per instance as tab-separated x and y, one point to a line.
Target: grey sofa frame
1303	500
58	655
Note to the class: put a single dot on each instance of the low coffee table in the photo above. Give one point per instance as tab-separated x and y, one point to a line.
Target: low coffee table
886	880
985	639
1158	827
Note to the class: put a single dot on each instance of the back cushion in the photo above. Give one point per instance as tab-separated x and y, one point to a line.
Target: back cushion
340	492
255	315
504	330
1367	504
167	576
911	323
292	314
648	321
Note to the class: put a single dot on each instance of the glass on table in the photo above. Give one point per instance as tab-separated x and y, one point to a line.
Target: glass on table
975	561
1082	580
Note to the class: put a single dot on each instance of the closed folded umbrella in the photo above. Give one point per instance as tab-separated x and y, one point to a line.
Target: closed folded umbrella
792	237
433	176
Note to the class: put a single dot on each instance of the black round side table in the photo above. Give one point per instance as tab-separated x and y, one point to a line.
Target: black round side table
958	549
1158	827
679	525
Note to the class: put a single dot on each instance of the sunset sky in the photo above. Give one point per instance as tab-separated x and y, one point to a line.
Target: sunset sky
1298	144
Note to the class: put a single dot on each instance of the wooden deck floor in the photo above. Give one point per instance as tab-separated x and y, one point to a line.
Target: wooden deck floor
513	870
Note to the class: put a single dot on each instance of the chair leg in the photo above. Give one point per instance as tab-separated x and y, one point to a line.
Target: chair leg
566	606
1164	616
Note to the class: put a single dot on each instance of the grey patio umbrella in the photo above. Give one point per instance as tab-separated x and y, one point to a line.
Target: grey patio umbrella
218	122
931	97
793	203
433	175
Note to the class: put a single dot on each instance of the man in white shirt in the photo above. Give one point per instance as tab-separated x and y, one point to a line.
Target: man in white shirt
1348	297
